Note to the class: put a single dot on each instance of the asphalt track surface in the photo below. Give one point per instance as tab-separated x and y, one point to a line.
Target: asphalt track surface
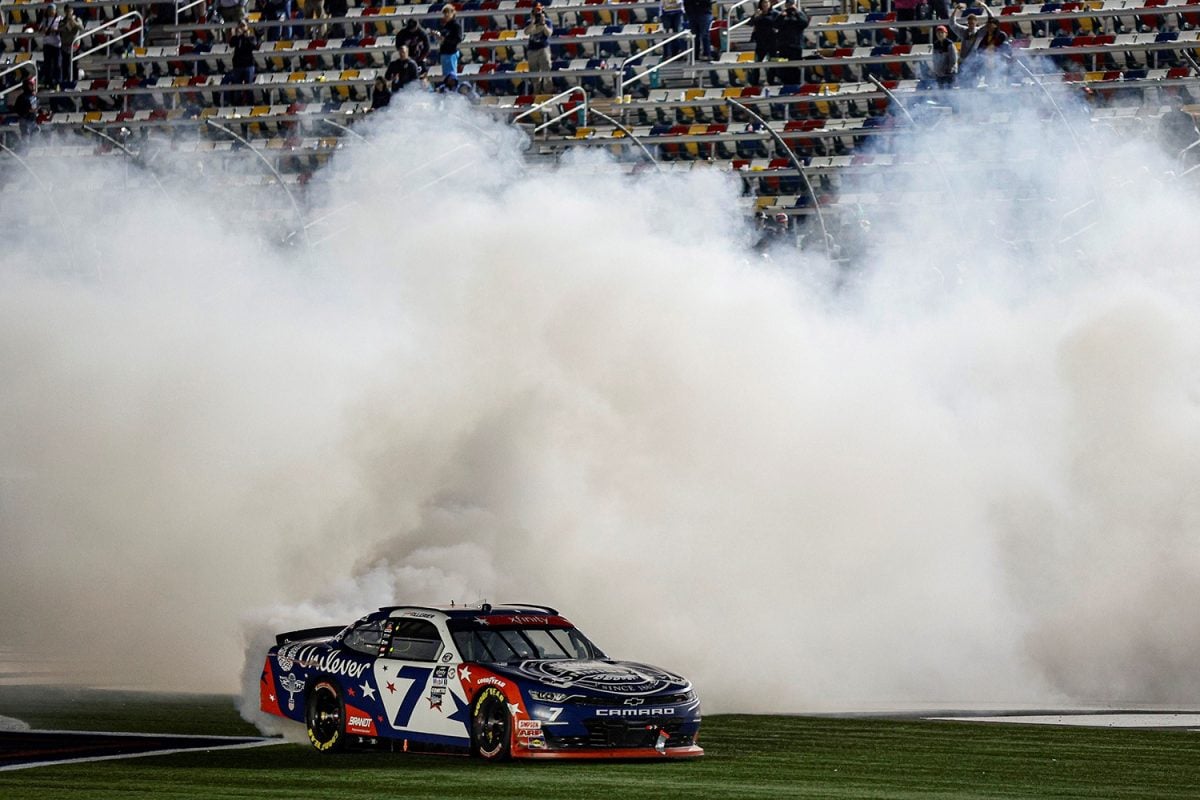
26	749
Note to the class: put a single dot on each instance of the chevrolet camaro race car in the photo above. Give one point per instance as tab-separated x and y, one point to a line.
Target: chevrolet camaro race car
501	682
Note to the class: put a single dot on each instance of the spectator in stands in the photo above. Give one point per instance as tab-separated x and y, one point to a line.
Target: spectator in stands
244	43
276	11
944	66
26	107
416	39
764	36
537	51
402	70
1177	131
791	26
315	9
772	231
993	48
450	35
670	16
452	85
906	11
231	10
337	9
49	27
699	16
969	35
69	31
381	95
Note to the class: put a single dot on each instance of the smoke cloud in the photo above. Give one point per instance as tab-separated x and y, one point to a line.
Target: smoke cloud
961	474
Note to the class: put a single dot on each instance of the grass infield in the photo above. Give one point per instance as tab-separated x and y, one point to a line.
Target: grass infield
747	756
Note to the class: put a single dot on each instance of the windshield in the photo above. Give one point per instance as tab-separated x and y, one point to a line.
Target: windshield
509	643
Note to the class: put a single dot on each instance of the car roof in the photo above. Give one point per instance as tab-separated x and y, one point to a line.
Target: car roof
471	612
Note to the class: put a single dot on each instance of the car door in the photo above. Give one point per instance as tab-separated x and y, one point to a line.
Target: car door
415	679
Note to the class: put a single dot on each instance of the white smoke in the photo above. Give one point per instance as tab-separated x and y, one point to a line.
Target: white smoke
961	475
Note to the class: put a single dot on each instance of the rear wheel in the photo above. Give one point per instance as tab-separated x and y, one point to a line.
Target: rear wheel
325	716
491	726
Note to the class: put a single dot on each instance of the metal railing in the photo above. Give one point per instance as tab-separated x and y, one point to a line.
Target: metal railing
558	97
27	63
139	31
180	7
689	52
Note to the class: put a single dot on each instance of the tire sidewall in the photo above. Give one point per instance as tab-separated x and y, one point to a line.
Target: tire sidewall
338	738
503	748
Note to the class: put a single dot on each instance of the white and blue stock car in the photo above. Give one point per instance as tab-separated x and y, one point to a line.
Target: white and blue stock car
503	682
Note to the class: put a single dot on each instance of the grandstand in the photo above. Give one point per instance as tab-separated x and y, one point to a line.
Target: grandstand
153	83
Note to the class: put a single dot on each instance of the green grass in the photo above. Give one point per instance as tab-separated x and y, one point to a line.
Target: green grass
747	756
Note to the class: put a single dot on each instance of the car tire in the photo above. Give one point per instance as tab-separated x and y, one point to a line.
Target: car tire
491	726
325	717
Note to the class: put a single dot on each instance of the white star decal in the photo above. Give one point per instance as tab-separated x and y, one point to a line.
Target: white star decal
367	690
464	672
514	708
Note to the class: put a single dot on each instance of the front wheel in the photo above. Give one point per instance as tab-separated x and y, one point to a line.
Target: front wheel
325	716
491	726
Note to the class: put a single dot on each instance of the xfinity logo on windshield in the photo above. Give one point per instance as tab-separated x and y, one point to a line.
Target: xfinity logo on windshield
635	712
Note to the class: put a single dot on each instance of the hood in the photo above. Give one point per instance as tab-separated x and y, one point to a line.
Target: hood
610	678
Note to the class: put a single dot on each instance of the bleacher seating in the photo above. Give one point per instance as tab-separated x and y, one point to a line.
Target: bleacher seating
1124	52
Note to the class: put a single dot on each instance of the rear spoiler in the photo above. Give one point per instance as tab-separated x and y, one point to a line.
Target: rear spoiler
308	633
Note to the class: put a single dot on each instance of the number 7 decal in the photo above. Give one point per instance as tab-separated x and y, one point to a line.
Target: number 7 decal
419	677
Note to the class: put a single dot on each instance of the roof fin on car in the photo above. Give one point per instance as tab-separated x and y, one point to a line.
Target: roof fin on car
485	607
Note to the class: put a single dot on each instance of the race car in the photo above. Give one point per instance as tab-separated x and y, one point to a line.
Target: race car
512	681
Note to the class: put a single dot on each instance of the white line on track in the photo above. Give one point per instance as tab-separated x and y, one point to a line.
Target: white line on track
241	744
1127	720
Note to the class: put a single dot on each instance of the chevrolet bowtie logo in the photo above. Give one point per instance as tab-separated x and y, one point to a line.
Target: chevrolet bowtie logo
634	701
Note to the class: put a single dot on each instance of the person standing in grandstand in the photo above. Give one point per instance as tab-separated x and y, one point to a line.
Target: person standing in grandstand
764	36
231	10
337	9
993	48
403	70
68	32
416	39
26	107
51	46
944	66
699	15
450	36
969	35
537	51
315	9
790	42
670	16
244	43
906	11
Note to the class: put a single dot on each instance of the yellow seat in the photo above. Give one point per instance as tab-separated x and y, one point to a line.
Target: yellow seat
509	34
697	130
92	116
584	133
260	111
182	80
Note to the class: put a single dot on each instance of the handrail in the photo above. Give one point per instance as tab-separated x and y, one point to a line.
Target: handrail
278	179
555	99
29	62
112	23
825	238
633	136
689	53
180	7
